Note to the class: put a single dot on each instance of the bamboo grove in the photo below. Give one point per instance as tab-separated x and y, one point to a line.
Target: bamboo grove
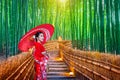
91	24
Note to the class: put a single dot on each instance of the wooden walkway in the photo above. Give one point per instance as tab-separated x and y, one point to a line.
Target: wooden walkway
58	69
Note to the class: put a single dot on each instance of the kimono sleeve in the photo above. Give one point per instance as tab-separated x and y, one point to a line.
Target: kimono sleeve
42	49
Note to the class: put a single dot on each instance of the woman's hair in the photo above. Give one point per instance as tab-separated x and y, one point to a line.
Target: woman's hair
37	34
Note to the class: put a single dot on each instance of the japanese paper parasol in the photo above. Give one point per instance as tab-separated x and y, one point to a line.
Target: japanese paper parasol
27	41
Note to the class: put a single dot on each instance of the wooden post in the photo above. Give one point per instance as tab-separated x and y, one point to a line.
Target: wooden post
60	51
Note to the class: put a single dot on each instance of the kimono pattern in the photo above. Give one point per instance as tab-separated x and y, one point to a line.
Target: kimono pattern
40	62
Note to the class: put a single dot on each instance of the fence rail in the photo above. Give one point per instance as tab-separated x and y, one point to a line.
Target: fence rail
19	67
92	68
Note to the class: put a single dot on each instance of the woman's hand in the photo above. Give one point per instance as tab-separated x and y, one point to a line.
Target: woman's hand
45	54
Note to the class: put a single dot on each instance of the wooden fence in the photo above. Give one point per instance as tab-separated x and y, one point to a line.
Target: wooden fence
19	67
91	68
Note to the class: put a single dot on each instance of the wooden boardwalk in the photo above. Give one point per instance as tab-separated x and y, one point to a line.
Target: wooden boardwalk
58	69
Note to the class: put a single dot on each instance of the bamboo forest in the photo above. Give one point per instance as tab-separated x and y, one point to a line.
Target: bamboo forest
81	39
90	24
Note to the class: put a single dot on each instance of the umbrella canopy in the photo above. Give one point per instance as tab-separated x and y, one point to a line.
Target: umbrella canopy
27	41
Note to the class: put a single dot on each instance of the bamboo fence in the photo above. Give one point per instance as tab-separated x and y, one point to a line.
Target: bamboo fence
19	67
94	66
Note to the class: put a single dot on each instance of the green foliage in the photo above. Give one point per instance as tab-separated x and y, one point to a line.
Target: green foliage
90	24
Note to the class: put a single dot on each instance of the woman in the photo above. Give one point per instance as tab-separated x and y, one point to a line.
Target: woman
40	57
42	34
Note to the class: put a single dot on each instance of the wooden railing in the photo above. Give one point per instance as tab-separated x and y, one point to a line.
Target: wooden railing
91	68
19	67
54	45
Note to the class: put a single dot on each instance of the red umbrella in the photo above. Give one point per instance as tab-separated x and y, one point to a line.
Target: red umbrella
27	41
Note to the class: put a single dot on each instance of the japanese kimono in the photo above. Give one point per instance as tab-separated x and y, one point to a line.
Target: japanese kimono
40	62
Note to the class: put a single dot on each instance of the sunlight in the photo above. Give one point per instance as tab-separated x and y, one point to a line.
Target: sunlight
58	59
62	1
71	73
